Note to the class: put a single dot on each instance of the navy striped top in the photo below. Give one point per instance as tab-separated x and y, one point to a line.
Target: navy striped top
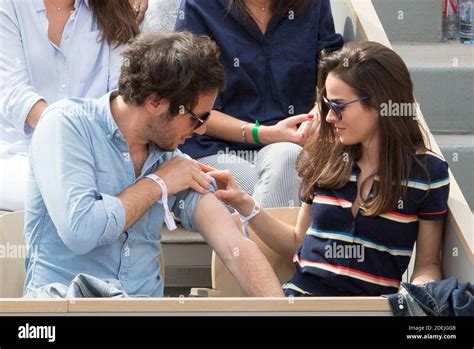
343	255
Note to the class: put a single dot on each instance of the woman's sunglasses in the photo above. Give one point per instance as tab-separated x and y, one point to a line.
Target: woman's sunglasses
337	108
200	119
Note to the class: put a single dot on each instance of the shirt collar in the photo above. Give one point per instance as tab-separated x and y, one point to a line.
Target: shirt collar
109	126
105	117
39	4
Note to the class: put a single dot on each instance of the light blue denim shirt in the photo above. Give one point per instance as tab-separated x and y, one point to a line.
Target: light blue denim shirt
32	68
80	162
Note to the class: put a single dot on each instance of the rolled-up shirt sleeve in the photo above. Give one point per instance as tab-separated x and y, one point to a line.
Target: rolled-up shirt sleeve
17	95
186	204
64	168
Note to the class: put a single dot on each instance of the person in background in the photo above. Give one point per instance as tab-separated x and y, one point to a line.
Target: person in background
50	50
370	185
160	16
270	51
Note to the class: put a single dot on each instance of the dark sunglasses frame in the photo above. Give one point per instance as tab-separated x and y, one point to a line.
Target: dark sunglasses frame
336	108
200	119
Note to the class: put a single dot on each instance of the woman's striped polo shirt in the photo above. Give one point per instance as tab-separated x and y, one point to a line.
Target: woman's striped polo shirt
362	255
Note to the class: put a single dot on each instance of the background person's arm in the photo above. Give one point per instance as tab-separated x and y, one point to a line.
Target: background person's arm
20	104
229	128
240	255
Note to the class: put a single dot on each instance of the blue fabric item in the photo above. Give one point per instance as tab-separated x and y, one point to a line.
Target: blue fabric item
82	286
74	222
269	76
442	298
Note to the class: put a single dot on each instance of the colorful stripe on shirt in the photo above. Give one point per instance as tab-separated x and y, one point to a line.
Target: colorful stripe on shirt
347	237
349	272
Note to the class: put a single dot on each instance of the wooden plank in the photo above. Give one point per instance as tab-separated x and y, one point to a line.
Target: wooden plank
222	304
18	305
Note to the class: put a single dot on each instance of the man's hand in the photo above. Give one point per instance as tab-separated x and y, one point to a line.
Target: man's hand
287	130
181	173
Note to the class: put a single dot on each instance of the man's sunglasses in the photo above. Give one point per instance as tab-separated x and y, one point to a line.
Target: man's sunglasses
200	119
337	108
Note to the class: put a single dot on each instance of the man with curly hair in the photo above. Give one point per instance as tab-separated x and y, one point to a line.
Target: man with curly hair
106	174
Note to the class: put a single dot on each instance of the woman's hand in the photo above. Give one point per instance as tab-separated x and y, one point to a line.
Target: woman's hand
230	192
139	8
288	130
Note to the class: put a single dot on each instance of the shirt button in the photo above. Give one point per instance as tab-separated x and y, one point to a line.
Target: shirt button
62	59
126	156
63	86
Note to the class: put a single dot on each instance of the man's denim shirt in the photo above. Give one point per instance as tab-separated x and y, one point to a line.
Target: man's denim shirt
80	162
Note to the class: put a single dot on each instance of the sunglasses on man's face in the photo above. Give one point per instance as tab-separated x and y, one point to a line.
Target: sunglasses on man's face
200	119
337	108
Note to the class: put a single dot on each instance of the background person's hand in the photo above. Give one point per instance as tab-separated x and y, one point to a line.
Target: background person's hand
307	129
287	130
139	8
181	173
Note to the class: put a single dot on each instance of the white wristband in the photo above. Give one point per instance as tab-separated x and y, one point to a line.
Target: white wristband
245	219
169	220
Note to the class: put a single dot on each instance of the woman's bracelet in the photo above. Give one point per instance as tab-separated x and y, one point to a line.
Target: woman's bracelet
243	130
255	133
245	219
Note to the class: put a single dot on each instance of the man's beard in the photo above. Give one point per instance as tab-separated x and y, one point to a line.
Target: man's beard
161	134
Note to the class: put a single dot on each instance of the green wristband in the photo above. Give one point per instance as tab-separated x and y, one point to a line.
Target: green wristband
255	133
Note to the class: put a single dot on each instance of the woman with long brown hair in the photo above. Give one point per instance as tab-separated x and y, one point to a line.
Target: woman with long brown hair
370	185
52	49
270	50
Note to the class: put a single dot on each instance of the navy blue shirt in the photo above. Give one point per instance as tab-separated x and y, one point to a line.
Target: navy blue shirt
343	255
269	76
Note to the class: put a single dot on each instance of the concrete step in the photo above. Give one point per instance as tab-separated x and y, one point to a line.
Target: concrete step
443	75
458	151
409	20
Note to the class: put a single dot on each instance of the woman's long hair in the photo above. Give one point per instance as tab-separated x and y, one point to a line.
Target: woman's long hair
116	20
376	71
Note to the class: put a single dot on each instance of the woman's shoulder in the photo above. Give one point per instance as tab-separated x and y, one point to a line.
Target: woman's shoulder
434	163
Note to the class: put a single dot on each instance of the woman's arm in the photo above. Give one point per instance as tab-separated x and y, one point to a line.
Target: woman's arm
281	237
428	252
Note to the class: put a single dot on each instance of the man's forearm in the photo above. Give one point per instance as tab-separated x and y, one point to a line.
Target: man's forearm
138	198
241	256
253	271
